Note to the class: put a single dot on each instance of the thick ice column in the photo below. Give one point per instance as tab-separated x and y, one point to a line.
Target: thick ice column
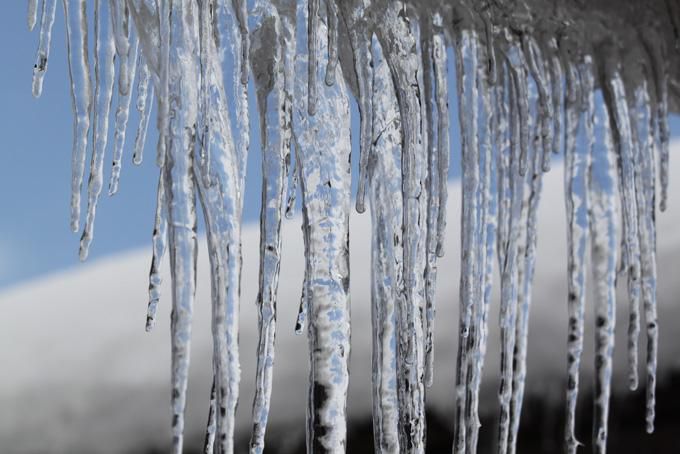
323	146
180	193
385	197
399	46
220	186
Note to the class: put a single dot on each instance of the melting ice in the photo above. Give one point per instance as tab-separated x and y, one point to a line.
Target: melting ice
531	80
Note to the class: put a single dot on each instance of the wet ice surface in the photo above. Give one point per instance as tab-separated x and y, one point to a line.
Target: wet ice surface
515	73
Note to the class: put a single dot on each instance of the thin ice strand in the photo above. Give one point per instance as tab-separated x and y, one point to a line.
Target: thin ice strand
81	97
104	80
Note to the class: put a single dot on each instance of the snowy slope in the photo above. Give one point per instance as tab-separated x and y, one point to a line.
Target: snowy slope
79	374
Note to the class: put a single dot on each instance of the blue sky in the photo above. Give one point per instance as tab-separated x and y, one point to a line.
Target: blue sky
35	173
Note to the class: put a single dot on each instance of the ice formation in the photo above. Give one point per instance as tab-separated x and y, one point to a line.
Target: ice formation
532	79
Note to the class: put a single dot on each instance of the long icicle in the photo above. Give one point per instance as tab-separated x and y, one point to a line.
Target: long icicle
509	267
441	89
617	105
495	146
576	165
49	8
431	184
603	256
466	74
541	151
220	188
81	96
401	52
361	46
181	194
646	194
104	80
269	76
485	213
323	146
387	253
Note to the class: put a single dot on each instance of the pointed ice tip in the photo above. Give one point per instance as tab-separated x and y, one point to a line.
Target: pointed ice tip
113	189
150	324
84	250
75	224
440	250
330	75
650	427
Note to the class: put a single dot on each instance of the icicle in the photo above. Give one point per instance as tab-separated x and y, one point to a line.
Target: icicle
332	13
466	73
81	94
488	213
541	77
104	76
529	260
363	67
159	239
144	103
646	193
604	244
387	253
32	14
618	109
122	116
509	266
401	52
432	194
576	177
219	189
120	18
268	74
46	22
441	89
181	193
